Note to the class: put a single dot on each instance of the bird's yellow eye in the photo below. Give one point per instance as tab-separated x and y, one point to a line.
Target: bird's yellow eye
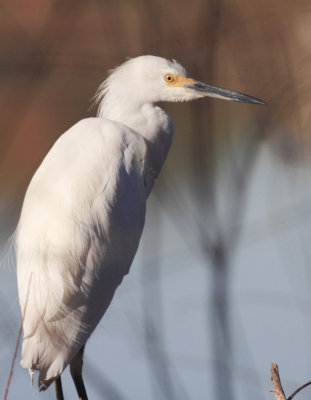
169	78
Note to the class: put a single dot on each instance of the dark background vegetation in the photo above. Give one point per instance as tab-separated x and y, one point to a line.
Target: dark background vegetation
231	209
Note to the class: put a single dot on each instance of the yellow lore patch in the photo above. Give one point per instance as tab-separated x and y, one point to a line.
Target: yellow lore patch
177	80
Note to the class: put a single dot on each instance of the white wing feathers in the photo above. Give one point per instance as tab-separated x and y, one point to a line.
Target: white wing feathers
78	233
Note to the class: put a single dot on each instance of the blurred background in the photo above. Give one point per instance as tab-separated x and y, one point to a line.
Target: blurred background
221	284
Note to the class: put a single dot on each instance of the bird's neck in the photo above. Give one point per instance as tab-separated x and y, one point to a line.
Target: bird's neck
152	123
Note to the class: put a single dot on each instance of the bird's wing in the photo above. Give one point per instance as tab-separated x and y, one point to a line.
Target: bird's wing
79	230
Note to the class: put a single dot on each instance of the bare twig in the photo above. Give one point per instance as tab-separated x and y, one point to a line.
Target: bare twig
275	377
298	390
17	344
278	390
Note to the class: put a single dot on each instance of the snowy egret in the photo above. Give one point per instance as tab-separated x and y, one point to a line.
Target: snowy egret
84	210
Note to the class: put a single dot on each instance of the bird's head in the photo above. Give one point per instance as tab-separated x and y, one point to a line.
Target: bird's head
151	79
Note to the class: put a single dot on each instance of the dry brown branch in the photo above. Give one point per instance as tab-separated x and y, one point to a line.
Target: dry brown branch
278	390
275	377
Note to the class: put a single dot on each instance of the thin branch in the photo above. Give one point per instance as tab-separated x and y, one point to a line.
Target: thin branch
278	390
275	377
17	345
298	390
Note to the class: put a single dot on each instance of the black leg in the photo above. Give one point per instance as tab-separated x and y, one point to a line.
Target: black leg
58	389
76	373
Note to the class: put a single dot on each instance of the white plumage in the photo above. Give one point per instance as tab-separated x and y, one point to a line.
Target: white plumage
84	210
79	230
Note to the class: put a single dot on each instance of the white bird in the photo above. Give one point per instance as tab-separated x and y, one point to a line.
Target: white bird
84	211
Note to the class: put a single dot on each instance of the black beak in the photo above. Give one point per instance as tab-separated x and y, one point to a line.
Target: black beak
214	91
